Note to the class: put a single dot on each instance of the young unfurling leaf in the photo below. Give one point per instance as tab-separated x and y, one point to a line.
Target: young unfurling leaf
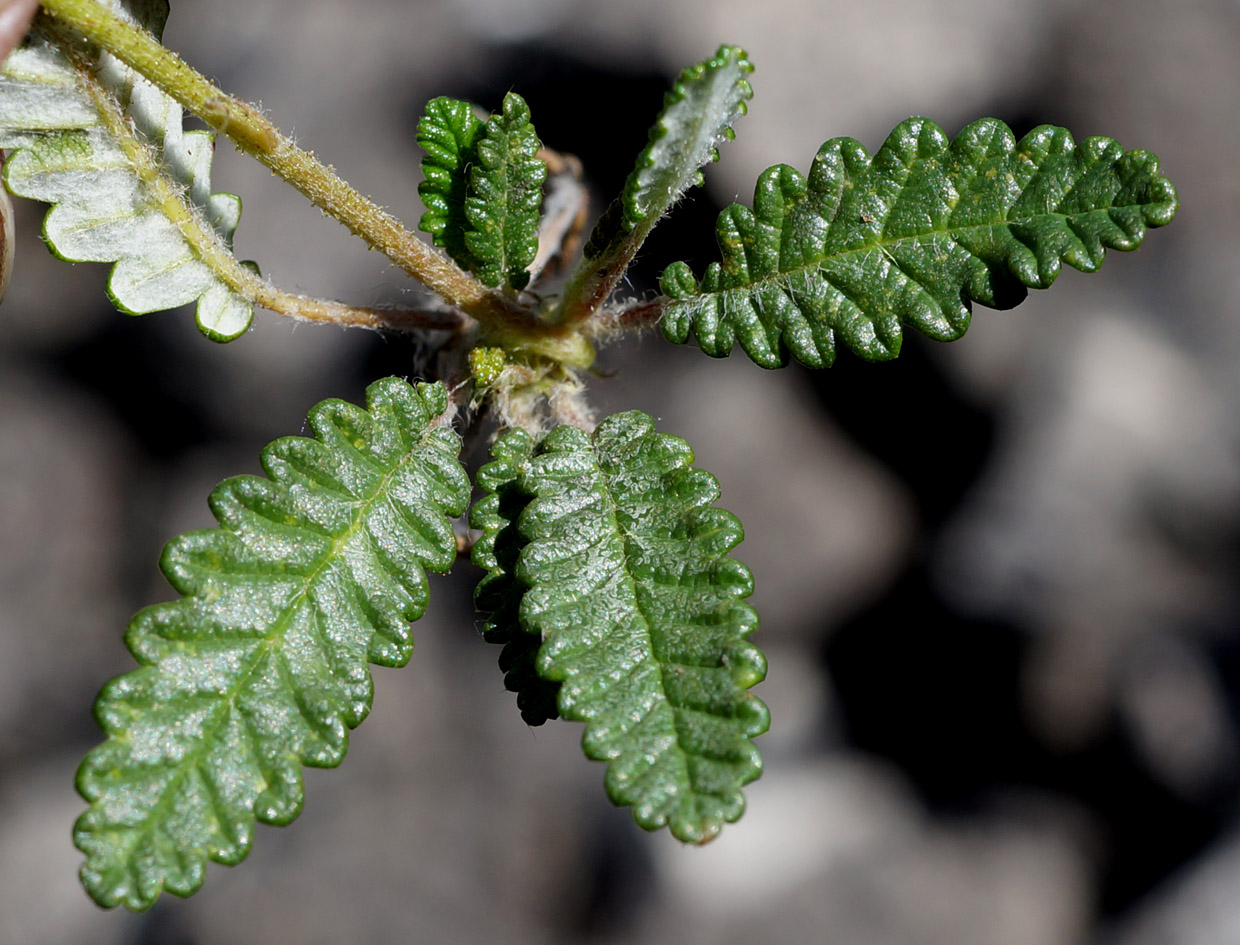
697	117
483	187
448	132
505	196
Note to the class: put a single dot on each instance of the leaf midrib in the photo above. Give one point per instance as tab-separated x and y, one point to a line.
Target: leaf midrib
279	627
687	159
631	586
884	245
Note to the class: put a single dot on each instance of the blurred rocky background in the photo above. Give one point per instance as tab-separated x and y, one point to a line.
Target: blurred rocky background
997	578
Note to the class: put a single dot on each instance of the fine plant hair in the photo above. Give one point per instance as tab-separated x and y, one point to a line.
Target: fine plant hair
606	573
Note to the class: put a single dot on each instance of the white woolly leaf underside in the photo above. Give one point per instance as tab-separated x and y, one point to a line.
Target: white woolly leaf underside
103	210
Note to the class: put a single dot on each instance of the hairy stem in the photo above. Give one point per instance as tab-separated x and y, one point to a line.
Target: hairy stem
593	281
258	137
639	315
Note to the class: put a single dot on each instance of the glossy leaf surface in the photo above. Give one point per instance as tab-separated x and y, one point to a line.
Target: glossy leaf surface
483	187
127	184
622	569
448	132
911	237
505	196
261	666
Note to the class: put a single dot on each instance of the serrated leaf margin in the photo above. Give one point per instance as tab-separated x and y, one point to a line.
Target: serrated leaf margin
616	528
498	594
132	188
697	116
505	197
776	292
273	527
448	132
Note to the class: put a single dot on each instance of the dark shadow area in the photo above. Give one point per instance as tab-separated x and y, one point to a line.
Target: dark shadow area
132	367
939	693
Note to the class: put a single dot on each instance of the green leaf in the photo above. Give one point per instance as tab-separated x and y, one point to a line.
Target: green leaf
913	237
499	593
261	666
620	563
505	196
448	132
128	185
697	116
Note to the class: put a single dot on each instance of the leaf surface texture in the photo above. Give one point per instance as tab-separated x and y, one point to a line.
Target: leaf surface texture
127	184
505	196
261	666
483	187
911	237
499	593
448	132
698	113
625	583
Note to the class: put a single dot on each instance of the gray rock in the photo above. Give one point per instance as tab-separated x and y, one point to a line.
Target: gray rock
62	606
40	898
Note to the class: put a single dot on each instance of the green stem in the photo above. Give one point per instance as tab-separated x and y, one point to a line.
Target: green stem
258	137
590	285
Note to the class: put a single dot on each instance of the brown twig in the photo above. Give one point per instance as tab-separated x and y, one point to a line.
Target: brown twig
640	315
565	212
